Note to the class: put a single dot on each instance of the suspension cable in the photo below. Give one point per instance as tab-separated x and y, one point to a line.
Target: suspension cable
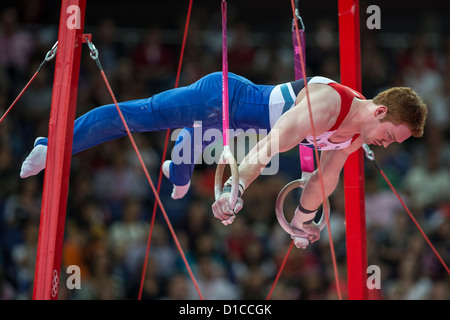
319	169
279	271
94	56
163	158
49	56
371	156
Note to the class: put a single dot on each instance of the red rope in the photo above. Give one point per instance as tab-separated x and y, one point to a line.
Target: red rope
166	143
412	218
19	96
151	184
279	271
325	209
50	55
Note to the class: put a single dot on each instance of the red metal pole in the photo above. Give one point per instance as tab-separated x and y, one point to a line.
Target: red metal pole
60	137
350	59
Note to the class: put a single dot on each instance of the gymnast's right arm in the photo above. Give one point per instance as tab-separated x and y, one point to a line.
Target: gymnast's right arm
290	129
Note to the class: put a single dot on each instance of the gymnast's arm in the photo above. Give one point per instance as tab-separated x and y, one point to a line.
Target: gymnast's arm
292	127
331	164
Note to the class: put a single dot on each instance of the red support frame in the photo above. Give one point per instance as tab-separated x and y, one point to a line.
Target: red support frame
60	138
56	179
350	60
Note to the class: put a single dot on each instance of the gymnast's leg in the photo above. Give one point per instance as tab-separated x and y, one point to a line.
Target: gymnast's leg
96	126
171	109
188	149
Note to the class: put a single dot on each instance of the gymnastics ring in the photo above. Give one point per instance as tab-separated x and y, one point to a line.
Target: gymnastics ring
300	183
227	158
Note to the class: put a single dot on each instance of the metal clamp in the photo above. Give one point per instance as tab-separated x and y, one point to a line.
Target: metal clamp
298	17
52	53
369	153
92	49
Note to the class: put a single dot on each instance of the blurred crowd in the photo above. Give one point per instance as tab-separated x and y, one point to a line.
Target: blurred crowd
110	204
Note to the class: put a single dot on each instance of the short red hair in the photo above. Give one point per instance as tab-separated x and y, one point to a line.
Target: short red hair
404	106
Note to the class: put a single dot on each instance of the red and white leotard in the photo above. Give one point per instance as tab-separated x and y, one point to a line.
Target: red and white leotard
279	97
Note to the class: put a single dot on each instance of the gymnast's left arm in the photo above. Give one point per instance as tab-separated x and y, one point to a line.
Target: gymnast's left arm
292	127
331	163
251	167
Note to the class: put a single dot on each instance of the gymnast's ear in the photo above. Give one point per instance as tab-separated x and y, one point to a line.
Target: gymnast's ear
380	111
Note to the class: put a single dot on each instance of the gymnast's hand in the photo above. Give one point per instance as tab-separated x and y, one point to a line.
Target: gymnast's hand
310	231
306	229
221	207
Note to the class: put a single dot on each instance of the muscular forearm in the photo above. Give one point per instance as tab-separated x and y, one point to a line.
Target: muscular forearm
312	197
256	160
249	172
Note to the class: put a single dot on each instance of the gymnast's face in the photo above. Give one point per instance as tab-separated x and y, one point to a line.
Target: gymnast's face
383	133
387	132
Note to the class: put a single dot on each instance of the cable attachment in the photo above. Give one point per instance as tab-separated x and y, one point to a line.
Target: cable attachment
369	153
298	17
52	53
93	52
49	56
92	49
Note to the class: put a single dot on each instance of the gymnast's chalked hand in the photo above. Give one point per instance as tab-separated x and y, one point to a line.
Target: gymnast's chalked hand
222	210
308	234
304	232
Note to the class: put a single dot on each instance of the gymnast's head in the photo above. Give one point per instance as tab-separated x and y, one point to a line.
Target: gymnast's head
401	113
